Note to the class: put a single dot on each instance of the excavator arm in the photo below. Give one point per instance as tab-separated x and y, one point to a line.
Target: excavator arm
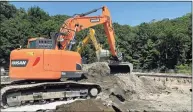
80	22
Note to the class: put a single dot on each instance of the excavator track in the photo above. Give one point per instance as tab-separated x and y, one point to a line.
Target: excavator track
40	93
4	84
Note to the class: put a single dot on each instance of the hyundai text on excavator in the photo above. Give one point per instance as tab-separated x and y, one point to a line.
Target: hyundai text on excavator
43	65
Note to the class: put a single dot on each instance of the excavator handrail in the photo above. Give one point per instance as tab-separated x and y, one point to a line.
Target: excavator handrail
89	12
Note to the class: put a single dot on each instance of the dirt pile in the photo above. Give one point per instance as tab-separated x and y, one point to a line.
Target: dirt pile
96	70
124	84
84	105
129	92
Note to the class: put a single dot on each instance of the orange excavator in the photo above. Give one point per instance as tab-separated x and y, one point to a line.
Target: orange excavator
44	68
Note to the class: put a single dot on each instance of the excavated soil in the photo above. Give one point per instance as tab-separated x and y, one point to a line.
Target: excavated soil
127	92
84	105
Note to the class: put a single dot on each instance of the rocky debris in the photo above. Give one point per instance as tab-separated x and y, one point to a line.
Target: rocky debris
84	105
96	71
128	92
118	92
48	110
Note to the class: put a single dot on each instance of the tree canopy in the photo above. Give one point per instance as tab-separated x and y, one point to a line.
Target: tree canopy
163	45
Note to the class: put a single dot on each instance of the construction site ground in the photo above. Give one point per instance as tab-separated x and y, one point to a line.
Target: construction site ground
126	92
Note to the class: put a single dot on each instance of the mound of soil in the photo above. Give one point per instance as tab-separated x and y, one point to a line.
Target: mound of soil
130	92
84	105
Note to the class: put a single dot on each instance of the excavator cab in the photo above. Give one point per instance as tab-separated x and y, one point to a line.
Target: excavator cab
40	43
44	43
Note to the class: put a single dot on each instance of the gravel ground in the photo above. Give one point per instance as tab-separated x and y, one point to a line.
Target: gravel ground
49	106
129	92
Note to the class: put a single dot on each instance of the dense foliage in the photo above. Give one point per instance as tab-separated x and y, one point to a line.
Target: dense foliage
163	45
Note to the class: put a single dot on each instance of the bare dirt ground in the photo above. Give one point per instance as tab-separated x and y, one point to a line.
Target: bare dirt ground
128	92
86	105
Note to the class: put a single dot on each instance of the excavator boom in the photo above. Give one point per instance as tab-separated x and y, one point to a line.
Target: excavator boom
82	21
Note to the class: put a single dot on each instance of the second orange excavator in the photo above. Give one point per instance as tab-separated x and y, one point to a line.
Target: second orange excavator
42	66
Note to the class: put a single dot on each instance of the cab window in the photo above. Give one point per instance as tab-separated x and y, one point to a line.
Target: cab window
32	44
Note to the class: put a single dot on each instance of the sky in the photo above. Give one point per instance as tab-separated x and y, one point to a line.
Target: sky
130	13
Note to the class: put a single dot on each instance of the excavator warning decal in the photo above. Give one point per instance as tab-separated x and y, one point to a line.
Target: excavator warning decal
94	20
30	53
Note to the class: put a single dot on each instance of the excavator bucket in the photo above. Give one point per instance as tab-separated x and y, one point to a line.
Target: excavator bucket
115	67
120	67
